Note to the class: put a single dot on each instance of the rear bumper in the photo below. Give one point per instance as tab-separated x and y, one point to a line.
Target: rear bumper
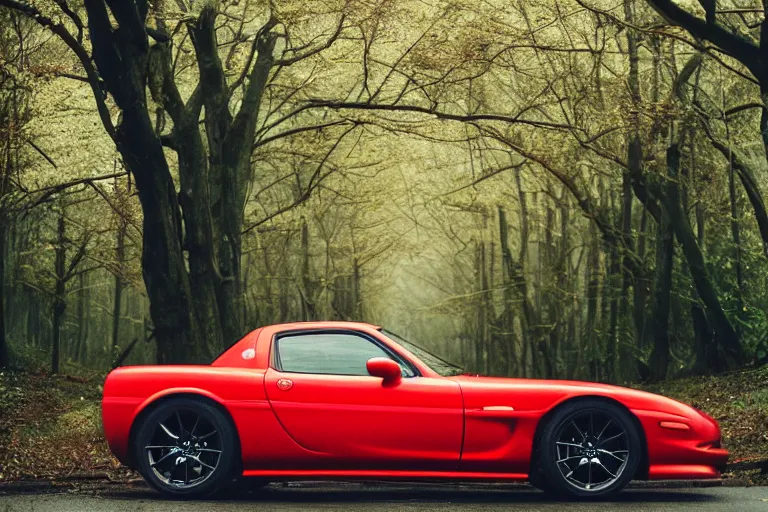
117	414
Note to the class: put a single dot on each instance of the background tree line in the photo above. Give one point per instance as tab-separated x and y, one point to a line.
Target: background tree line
557	188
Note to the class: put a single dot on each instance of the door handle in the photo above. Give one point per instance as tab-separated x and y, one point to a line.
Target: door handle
284	384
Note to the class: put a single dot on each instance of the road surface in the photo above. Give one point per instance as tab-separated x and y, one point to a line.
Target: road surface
367	498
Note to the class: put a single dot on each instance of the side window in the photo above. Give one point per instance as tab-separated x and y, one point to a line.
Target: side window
334	354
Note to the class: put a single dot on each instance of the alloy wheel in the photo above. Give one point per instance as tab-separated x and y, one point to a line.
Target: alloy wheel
592	451
184	450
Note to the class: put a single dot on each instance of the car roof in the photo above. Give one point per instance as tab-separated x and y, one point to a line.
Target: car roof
324	324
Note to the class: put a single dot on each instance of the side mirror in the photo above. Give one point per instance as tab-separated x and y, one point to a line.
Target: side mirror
385	368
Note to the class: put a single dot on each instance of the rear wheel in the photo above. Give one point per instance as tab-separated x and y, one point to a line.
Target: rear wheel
186	447
588	449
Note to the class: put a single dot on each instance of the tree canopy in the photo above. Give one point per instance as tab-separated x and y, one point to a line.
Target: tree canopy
560	188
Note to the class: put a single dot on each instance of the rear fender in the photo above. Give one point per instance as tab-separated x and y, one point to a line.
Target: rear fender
176	391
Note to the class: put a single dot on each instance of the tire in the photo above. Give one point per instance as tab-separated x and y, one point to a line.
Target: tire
588	448
536	477
186	448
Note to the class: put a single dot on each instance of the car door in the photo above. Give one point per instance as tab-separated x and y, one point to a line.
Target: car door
327	402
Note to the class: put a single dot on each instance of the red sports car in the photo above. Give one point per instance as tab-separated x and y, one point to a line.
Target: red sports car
341	400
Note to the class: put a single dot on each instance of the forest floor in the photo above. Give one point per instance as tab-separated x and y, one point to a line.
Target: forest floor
739	402
50	426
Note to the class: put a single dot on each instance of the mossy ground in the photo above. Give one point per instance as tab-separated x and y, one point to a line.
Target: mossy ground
739	402
50	428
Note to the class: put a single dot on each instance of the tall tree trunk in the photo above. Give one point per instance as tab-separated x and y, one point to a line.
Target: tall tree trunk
30	331
308	287
178	333
82	294
659	360
635	166
485	298
4	358
735	233
623	354
611	291
566	278
507	323
283	299
194	198
59	303
165	276
727	337
182	330
592	292
554	312
480	281
230	140
120	260
641	287
498	361
530	321
517	276
357	299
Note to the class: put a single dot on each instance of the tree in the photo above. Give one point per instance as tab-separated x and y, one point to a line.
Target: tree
749	46
202	224
64	271
564	105
535	188
15	90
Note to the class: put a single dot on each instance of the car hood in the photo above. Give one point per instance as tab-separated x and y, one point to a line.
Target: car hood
536	395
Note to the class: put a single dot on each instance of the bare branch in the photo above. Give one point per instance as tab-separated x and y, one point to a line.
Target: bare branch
315	180
117	211
711	51
82	55
314	51
71	76
588	207
749	181
294	131
75	261
73	16
54	189
487	175
43	154
733	43
439	115
742	108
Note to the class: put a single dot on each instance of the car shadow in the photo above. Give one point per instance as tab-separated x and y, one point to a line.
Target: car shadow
387	492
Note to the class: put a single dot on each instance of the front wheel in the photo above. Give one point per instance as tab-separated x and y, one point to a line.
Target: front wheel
186	447
589	448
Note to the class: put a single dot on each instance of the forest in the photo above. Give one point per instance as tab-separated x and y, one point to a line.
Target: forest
532	188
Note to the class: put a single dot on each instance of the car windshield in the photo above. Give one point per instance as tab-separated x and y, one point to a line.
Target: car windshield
439	366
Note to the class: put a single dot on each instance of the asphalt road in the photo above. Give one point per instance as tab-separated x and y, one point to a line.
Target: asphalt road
397	498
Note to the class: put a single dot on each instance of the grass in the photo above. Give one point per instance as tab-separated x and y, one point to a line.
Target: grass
50	426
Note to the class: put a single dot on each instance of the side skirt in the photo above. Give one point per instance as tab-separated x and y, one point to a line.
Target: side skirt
323	474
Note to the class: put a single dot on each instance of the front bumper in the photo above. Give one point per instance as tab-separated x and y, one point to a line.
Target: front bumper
677	453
